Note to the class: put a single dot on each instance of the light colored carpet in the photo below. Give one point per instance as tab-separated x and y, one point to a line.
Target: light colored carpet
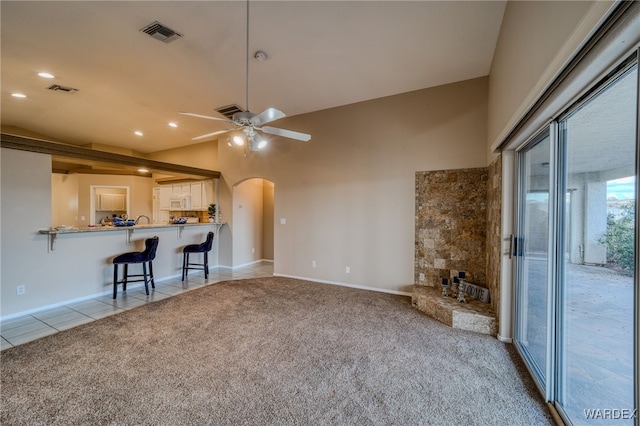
268	351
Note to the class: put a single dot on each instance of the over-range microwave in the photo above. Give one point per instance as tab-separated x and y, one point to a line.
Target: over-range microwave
182	202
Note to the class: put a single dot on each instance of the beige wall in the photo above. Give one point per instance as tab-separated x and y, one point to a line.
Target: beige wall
25	192
72	196
268	220
248	218
201	155
347	196
64	199
536	40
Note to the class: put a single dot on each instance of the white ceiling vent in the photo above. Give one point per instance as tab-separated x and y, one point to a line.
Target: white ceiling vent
58	88
161	32
229	110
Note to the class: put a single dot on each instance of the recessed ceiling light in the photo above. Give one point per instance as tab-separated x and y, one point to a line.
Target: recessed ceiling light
18	95
138	132
46	75
172	124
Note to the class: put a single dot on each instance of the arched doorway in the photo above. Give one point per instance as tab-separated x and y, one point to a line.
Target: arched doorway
253	221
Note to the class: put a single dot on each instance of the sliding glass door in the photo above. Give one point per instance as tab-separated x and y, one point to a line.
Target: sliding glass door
596	271
532	250
576	280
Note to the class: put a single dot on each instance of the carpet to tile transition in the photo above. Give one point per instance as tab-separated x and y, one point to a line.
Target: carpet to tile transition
268	351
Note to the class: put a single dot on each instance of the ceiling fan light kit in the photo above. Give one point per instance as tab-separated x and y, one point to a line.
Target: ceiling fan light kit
248	122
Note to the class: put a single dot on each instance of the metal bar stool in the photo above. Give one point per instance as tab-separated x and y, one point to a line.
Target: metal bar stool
144	257
204	248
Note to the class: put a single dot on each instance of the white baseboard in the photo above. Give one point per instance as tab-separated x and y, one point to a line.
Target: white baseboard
82	299
244	264
360	287
505	339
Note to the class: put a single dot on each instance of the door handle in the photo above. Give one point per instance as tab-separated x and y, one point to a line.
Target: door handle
511	246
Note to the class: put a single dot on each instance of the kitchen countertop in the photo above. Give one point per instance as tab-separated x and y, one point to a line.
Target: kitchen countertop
123	228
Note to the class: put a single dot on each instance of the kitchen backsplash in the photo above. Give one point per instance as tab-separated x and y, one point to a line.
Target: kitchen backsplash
203	216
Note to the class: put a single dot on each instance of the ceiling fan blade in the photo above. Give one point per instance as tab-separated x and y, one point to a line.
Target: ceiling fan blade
267	116
192	114
286	133
208	135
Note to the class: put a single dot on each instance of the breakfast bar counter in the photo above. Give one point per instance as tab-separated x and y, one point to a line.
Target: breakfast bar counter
79	261
54	232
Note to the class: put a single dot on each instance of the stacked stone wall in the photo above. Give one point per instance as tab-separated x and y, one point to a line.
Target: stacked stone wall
451	225
494	230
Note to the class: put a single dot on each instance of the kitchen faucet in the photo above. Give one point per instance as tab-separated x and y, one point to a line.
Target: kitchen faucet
147	217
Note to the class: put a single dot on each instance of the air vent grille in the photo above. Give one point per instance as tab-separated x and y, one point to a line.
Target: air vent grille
58	88
161	32
229	110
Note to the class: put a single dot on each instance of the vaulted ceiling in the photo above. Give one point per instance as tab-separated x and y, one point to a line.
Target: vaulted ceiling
320	54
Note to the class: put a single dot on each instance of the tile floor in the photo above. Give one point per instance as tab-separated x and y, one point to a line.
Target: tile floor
26	328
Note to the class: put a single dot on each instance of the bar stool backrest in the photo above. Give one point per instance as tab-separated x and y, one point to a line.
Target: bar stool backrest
151	245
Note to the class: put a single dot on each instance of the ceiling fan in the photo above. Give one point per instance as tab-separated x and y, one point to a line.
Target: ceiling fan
248	122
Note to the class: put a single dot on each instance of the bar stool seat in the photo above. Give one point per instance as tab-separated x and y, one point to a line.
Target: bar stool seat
145	257
204	248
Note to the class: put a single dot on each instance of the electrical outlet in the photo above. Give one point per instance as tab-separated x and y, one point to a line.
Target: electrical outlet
348	270
253	250
20	290
421	277
283	221
313	264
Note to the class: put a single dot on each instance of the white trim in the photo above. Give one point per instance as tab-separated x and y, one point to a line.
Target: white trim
244	265
508	229
81	299
504	339
360	287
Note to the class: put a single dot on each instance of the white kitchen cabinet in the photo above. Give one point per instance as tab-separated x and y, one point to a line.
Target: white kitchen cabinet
208	195
112	202
201	194
195	189
166	191
181	189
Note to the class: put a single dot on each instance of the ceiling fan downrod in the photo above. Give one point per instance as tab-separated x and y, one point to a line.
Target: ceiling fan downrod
247	64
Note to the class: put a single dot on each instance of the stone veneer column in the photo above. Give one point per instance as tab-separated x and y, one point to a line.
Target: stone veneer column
494	231
451	225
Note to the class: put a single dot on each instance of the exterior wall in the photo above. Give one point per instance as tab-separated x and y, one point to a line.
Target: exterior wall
451	225
494	231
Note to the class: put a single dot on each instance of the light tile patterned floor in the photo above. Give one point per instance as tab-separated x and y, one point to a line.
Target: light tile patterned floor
26	328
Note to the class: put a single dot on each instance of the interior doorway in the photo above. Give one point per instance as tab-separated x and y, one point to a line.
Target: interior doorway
253	221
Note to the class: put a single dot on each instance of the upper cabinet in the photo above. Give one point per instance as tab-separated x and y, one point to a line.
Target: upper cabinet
165	197
196	195
201	194
112	202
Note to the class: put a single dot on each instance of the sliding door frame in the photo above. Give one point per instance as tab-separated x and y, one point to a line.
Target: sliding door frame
541	378
556	131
